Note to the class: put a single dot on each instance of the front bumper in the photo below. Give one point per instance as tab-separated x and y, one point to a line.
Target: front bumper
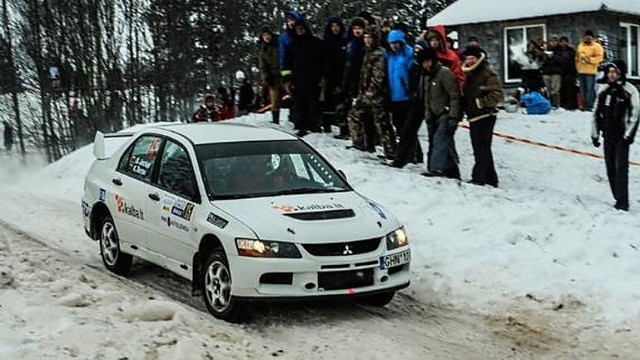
317	276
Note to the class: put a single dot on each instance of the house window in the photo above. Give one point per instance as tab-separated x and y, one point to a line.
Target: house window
516	38
629	51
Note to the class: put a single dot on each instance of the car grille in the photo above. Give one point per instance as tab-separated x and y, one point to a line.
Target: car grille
323	215
340	280
343	248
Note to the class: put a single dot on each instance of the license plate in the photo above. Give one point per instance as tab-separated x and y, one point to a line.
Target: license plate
395	259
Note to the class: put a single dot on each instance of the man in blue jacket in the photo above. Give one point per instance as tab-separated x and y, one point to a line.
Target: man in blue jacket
400	62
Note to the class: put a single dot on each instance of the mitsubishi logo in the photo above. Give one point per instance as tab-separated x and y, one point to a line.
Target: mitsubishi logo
347	250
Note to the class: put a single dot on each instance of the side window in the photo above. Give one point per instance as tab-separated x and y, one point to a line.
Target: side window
138	161
176	173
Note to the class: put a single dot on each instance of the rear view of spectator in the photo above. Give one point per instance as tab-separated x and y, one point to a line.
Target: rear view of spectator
245	96
568	92
552	71
225	106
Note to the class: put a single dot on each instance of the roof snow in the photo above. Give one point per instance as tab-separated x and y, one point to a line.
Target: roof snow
478	11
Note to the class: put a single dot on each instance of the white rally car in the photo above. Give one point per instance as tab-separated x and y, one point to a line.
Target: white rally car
245	213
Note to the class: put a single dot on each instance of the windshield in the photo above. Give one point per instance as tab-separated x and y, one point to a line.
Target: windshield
265	168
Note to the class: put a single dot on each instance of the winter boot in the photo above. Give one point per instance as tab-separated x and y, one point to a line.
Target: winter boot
275	116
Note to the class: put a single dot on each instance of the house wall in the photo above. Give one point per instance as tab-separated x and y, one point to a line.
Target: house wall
491	35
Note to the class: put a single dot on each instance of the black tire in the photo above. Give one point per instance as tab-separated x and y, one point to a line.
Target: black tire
113	259
216	289
379	300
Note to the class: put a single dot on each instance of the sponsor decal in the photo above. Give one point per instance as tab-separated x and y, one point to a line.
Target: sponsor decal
166	204
377	209
103	195
313	207
126	209
153	148
172	222
86	209
140	166
217	220
182	209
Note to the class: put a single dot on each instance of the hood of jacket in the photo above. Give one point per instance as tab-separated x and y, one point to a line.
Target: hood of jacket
396	35
440	32
328	34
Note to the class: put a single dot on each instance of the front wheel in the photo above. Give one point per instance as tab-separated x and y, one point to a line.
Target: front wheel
379	300
114	260
216	287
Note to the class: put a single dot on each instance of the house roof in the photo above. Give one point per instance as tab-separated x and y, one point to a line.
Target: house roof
479	11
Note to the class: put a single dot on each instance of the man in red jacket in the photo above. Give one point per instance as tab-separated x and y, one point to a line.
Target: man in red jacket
447	57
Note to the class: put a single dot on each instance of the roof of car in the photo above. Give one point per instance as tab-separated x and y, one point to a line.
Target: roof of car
220	132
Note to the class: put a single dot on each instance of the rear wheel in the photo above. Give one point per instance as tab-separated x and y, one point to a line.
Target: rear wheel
114	260
379	300
216	288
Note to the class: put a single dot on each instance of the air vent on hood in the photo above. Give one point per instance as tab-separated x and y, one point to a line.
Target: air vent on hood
323	215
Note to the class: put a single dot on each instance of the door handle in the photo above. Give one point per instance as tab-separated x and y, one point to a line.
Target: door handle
117	181
154	197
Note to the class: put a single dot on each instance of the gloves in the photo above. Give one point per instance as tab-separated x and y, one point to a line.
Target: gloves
270	80
627	141
452	125
595	142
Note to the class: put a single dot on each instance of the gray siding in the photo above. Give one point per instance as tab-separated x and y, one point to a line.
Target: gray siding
491	35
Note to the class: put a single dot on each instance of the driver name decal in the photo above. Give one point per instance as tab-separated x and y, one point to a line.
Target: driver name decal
313	207
128	209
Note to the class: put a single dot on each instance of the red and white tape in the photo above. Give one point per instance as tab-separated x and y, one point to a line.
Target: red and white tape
549	146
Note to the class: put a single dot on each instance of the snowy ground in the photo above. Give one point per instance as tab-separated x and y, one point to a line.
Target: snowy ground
543	267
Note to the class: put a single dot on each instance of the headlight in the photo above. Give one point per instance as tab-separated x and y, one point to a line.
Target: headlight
397	239
266	248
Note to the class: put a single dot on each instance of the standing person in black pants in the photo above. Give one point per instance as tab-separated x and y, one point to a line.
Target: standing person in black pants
616	117
482	94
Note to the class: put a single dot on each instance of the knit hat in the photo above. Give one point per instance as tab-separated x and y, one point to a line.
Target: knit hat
474	51
359	22
426	54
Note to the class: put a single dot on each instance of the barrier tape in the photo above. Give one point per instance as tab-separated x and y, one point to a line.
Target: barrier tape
548	146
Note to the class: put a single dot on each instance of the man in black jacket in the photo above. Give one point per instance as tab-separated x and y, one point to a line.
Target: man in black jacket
616	116
304	62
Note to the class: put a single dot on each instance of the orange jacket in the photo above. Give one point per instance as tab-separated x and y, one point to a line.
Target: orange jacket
588	57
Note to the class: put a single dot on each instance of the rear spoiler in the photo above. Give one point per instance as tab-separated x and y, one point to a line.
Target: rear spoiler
98	143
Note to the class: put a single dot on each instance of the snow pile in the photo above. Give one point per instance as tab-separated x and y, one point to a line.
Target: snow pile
548	237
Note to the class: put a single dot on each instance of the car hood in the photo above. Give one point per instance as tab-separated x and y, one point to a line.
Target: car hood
312	218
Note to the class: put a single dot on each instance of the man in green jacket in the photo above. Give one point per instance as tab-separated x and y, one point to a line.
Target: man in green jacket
442	112
482	94
270	70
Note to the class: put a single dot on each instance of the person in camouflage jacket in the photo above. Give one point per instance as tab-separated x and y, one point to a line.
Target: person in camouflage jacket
369	115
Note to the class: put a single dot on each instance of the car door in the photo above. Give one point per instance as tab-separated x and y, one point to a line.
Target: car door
131	181
172	204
